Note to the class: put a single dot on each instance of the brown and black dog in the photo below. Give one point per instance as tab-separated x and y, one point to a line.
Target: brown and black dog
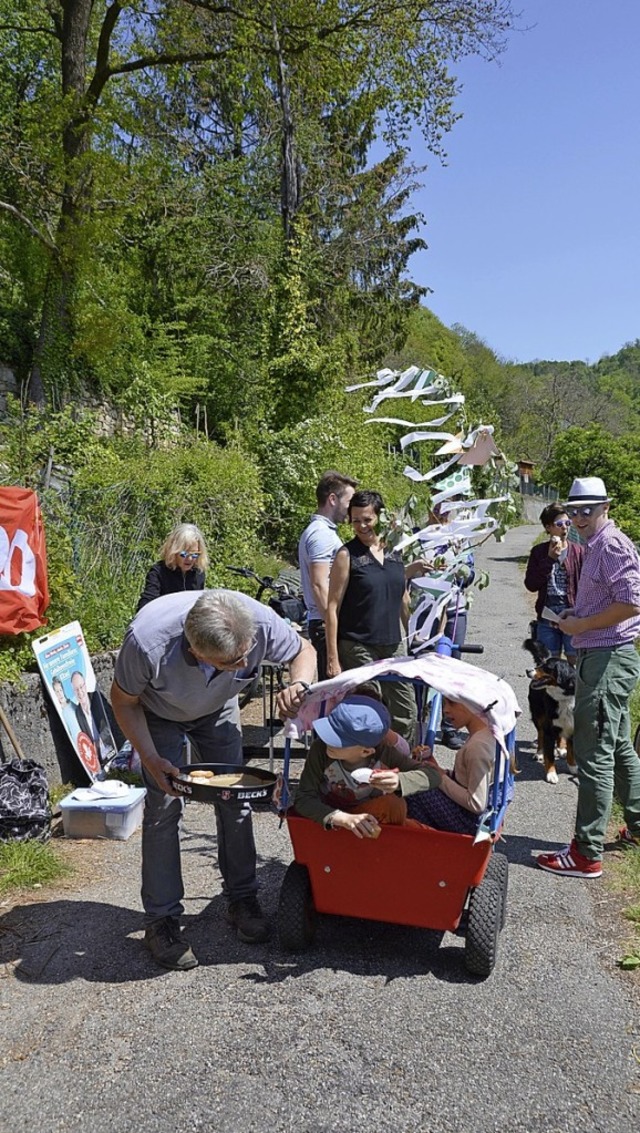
551	703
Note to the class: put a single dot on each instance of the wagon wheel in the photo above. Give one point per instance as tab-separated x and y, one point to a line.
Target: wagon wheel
498	870
483	927
296	911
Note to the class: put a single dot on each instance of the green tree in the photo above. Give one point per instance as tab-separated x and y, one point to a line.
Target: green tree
595	452
201	82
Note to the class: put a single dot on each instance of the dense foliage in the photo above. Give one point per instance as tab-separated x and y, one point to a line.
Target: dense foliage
191	229
184	190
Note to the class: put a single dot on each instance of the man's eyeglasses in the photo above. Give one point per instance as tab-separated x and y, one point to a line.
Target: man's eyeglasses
585	511
562	523
224	664
189	554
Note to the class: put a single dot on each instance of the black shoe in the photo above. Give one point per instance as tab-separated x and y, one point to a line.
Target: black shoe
453	740
248	918
165	943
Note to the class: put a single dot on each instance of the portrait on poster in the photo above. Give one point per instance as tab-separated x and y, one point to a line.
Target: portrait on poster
66	669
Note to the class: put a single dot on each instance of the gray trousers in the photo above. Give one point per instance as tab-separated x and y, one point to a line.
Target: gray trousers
215	739
398	696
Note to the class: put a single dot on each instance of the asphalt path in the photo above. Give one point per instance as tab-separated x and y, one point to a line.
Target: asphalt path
377	1027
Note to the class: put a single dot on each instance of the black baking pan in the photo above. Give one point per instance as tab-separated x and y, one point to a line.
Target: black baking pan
259	791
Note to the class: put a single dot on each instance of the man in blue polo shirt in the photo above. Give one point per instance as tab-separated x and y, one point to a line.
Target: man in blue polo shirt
184	659
317	548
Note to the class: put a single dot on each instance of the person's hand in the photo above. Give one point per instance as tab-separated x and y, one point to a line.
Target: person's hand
417	569
289	699
427	759
164	774
385	779
569	623
422	753
276	797
362	825
334	668
555	547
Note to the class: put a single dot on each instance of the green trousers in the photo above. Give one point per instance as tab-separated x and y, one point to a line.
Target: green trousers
398	696
602	744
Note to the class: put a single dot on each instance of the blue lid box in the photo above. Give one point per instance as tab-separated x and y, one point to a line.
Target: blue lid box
103	818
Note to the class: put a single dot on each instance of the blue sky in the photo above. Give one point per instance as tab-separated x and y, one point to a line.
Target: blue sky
533	225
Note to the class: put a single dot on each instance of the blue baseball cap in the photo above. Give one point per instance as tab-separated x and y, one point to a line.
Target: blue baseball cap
358	720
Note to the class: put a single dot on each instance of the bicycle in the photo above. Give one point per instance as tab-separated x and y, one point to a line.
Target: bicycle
286	593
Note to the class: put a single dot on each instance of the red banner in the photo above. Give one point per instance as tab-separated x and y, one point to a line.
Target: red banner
24	591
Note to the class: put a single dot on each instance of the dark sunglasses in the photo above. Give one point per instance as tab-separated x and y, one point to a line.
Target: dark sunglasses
189	554
585	511
562	523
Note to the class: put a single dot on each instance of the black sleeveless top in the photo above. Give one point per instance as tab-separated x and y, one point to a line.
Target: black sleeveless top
370	610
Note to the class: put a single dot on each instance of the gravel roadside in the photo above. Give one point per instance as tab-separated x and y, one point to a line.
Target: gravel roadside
377	1025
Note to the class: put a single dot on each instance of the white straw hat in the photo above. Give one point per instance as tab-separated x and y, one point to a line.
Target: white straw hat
587	490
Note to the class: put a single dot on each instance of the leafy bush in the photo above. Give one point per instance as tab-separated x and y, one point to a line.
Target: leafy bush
105	524
293	460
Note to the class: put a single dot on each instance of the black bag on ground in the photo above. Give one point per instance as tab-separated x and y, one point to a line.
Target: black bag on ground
25	811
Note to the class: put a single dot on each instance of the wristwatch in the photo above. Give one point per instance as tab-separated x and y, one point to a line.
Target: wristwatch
328	821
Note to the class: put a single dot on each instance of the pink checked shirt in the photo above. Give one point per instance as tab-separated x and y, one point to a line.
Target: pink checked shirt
610	573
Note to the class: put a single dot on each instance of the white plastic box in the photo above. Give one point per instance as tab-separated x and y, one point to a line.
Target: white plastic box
103	818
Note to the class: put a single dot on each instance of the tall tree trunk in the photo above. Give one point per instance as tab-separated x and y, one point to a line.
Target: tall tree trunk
290	171
52	364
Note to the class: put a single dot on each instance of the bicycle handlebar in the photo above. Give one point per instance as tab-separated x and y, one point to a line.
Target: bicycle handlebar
266	583
246	572
470	648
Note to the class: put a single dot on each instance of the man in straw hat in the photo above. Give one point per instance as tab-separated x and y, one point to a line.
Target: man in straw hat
604	625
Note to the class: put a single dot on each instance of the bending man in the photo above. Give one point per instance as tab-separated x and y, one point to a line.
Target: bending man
183	661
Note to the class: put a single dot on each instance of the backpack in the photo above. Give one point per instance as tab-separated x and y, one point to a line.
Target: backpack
25	811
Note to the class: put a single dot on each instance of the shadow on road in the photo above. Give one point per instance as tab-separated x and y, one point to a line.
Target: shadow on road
521	559
529	770
63	941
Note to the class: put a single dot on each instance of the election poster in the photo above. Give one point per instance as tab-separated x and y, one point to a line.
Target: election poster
66	669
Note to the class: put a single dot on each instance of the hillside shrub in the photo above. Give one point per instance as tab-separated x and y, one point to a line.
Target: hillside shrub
105	521
293	460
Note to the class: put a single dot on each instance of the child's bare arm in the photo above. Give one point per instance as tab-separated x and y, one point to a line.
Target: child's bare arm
362	825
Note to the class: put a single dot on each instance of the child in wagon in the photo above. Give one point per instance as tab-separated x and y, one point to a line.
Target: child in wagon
354	780
463	793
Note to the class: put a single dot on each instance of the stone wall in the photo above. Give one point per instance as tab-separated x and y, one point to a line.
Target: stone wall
38	727
109	420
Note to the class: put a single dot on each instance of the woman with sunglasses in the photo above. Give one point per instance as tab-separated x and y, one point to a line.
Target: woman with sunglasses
553	571
182	566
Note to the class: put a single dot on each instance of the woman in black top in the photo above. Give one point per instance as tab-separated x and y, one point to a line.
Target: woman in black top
368	606
183	564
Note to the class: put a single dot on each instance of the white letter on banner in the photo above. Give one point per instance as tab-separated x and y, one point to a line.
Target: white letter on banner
20	541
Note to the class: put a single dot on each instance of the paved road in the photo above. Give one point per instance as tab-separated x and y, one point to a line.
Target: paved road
377	1028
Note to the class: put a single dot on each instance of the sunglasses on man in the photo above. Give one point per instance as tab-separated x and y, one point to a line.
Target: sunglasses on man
585	511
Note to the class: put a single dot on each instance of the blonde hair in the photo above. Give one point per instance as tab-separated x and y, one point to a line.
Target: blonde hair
176	541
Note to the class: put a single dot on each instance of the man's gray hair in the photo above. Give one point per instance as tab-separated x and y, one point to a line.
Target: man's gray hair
219	624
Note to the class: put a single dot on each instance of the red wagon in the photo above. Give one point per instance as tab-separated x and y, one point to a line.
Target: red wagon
425	878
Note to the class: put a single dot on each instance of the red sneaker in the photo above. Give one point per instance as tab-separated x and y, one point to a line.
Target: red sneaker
570	863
